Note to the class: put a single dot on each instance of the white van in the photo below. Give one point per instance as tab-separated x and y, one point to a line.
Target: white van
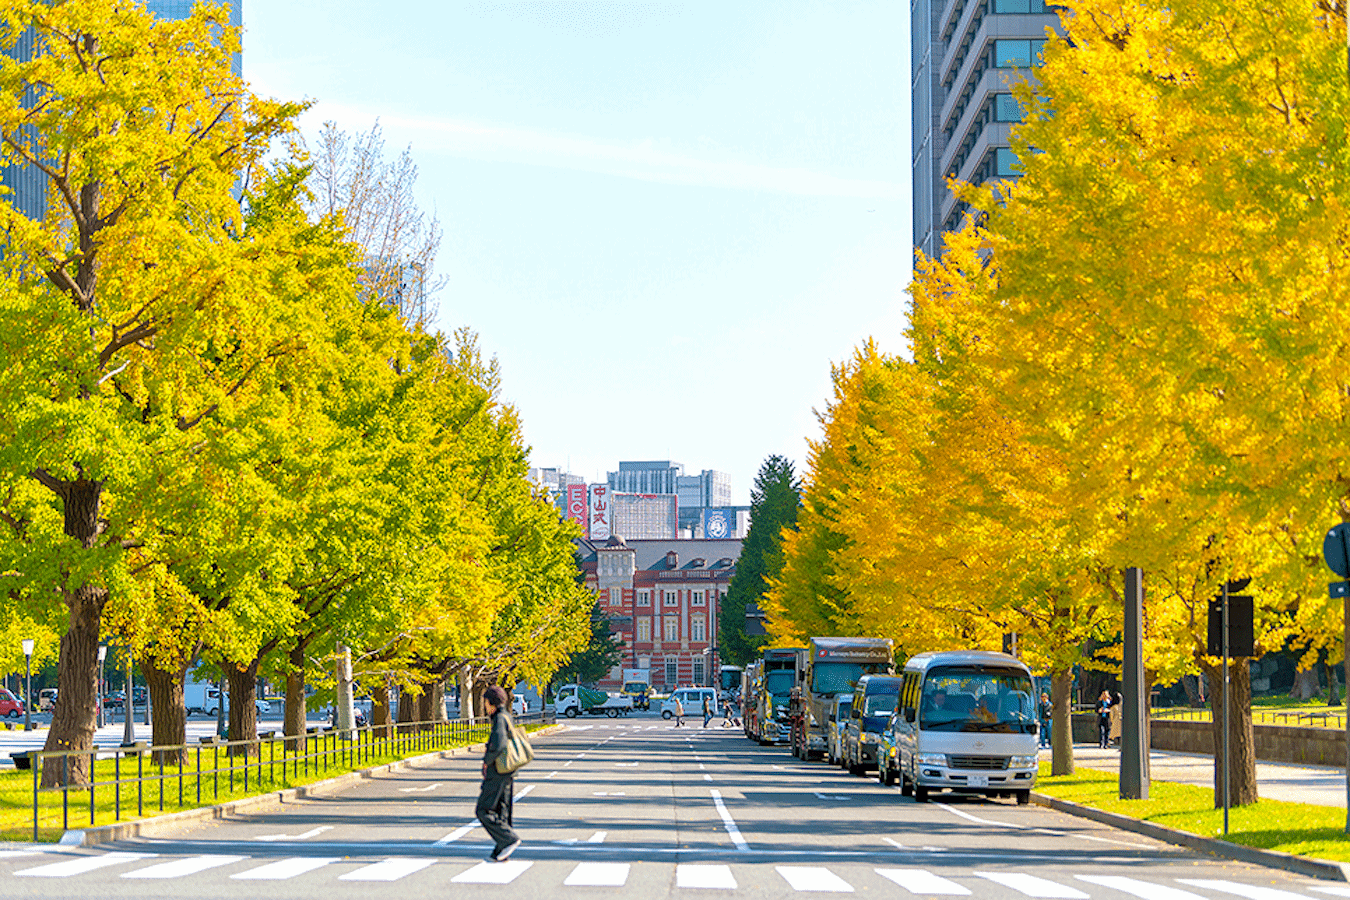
692	700
966	721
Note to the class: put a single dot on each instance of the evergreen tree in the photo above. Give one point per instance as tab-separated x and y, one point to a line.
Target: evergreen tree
774	501
601	654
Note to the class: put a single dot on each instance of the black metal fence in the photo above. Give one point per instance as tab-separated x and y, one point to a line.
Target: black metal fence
188	776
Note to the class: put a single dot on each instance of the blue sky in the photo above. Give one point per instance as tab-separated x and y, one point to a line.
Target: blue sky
666	219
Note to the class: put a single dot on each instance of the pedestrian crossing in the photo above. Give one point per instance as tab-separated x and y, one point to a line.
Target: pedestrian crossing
553	874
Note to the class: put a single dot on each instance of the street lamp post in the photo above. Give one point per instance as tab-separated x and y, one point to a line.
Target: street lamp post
102	655
27	684
128	730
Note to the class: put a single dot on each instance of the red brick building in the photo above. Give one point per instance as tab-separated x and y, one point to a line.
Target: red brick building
663	598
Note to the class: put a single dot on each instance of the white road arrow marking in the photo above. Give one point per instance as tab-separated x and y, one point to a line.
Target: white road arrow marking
421	790
313	832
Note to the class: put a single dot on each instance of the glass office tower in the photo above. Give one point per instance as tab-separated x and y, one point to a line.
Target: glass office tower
965	55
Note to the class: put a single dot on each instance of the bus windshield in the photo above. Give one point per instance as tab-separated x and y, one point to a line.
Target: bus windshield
977	698
833	677
779	682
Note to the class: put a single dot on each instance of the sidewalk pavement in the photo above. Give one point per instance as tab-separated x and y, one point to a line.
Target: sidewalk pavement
1318	785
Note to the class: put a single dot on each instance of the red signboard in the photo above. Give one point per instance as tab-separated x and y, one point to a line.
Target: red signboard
576	506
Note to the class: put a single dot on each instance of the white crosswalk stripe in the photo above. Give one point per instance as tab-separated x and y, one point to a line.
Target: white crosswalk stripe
1146	890
285	868
391	869
493	873
1250	891
83	864
695	875
814	878
921	881
598	874
1033	886
177	868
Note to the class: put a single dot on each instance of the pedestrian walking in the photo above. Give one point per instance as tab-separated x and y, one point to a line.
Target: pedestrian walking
679	713
494	798
728	719
1117	718
707	710
1047	712
1104	720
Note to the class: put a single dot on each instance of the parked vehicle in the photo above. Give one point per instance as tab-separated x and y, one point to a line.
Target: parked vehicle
46	699
10	705
638	692
835	721
205	699
730	679
833	666
782	669
572	700
875	700
691	698
966	722
753	687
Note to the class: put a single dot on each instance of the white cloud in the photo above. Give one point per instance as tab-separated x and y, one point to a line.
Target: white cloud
642	160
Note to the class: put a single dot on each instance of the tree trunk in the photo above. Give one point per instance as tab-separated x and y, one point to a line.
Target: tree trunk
476	695
1242	780
73	719
465	693
1333	696
379	709
1191	685
243	712
1061	729
1305	686
407	709
169	719
438	701
424	712
296	715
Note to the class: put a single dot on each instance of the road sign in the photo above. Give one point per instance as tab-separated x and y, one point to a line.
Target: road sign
1339	589
1241	640
1336	549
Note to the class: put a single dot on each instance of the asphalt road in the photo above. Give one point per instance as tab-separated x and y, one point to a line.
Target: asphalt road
639	808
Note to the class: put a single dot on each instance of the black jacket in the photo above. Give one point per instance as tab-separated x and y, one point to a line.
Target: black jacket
496	742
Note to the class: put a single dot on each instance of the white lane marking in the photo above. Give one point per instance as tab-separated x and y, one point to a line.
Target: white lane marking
814	878
608	794
421	790
83	864
844	797
568	763
285	868
707	778
976	819
628	765
1033	886
178	868
693	875
1087	837
899	846
732	831
493	873
702	766
1145	889
921	881
1337	891
598	874
455	835
313	832
550	775
522	792
598	837
391	869
1252	892
11	854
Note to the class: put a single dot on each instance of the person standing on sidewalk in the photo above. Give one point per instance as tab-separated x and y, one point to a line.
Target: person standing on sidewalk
1104	720
679	713
1047	713
494	798
707	710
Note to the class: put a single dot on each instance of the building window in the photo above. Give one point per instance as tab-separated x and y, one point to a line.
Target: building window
644	629
672	626
696	629
644	598
1023	7
1005	162
672	598
672	672
1006	108
698	598
1013	54
698	670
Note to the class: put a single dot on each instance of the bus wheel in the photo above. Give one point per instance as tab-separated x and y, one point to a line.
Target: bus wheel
920	794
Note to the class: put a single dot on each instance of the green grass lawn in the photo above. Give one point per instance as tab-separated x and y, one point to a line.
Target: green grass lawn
1300	828
220	782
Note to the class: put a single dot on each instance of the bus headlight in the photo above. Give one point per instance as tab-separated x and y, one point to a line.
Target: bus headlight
931	759
1021	762
864	737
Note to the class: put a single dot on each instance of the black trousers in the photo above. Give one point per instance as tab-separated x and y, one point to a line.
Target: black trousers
494	808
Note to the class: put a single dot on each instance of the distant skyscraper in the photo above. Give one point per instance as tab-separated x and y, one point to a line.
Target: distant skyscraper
965	56
695	493
27	182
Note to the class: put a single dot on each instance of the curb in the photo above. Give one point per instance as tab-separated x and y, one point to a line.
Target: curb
1271	859
157	825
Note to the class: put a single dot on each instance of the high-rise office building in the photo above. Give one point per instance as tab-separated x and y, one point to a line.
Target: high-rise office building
27	182
696	493
965	56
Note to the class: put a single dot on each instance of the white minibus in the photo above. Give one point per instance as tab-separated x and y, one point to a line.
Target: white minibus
966	722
